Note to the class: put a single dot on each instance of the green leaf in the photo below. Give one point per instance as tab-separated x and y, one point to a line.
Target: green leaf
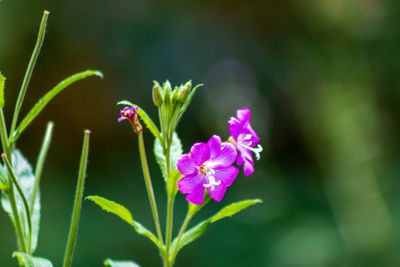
149	123
187	101
30	261
39	106
2	80
234	208
172	184
125	103
25	177
198	230
176	153
119	263
124	214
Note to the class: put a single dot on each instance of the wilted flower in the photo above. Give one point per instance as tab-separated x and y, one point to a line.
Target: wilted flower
208	166
129	113
245	139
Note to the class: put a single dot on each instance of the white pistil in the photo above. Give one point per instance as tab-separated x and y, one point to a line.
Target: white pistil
209	173
256	150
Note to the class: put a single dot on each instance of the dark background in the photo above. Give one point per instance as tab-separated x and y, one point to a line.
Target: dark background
320	76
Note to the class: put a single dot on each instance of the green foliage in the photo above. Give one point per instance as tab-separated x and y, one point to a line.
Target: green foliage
187	101
149	123
25	177
176	153
2	80
124	214
119	263
39	106
172	184
198	230
30	261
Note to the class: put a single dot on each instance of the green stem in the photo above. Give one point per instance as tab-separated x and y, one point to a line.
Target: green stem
28	74
11	195
149	187
170	203
73	230
41	159
181	231
24	200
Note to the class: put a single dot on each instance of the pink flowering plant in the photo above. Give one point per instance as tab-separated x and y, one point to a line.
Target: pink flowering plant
204	173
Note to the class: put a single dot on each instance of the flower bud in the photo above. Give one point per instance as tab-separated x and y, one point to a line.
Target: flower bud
167	92
184	91
175	95
157	95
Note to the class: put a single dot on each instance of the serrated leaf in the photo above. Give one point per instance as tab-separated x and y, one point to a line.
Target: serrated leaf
198	230
119	263
25	177
176	153
2	80
234	208
41	104
124	214
30	261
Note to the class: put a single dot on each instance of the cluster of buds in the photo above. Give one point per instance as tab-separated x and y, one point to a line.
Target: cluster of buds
165	95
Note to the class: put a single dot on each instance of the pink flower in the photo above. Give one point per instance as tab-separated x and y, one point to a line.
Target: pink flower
245	139
128	113
208	166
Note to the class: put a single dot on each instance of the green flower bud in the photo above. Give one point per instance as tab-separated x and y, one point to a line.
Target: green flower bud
184	91
167	92
175	95
157	94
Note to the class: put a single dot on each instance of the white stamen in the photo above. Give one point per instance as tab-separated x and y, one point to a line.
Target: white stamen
209	173
257	150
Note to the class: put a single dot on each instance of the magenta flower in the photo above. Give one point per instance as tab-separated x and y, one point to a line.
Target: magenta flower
128	113
207	166
245	139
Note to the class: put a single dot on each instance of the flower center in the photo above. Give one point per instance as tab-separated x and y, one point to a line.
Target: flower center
256	150
209	174
126	113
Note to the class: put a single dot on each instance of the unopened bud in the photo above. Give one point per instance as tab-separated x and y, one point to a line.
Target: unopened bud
175	95
167	92
184	91
157	94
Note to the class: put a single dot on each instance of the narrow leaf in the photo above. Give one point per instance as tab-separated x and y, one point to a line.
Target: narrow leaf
149	123
119	263
124	214
176	153
234	208
198	230
30	261
23	172
125	103
172	184
2	80
39	106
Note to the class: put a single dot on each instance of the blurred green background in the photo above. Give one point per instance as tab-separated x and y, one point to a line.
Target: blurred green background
321	77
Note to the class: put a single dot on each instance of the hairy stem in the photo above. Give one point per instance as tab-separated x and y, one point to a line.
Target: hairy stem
28	74
149	187
73	230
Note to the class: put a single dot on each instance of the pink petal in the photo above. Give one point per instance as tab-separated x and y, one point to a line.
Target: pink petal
197	195
218	193
186	165
248	168
189	183
200	152
226	157
226	175
244	115
215	145
235	127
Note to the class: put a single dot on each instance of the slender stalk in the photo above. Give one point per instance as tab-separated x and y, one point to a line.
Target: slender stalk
24	200
10	193
73	230
40	162
149	187
181	231
170	203
29	70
